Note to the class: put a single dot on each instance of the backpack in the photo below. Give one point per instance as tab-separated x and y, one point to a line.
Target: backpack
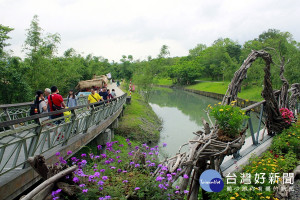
54	107
34	108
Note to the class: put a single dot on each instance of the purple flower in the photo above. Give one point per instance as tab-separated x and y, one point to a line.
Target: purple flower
104	178
152	149
119	161
107	197
85	190
54	193
124	171
144	145
159	178
103	156
118	151
164	168
119	170
97	174
83	155
131	163
107	162
96	157
164	144
137	147
185	176
173	174
151	165
69	152
127	140
121	145
117	157
75	179
137	165
125	181
55	198
179	169
57	153
177	187
161	186
150	153
61	160
99	147
112	167
102	170
100	183
176	192
185	191
129	143
137	188
129	153
82	185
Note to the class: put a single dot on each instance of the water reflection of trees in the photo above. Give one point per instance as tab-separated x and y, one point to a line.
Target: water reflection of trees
188	103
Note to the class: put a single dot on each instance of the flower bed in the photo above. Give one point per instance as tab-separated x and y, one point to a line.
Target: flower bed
282	157
119	174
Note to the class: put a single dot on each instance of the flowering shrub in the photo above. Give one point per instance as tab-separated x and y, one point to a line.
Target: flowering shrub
229	118
117	174
287	115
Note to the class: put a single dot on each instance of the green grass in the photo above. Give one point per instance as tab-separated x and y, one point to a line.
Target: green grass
139	122
252	93
164	81
216	87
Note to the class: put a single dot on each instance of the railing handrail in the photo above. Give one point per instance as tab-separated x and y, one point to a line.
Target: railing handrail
23	104
33	117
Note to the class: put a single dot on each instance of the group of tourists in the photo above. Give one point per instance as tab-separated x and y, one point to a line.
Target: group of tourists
102	94
50	100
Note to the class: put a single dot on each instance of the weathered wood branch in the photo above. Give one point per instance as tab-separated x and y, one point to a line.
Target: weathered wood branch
49	181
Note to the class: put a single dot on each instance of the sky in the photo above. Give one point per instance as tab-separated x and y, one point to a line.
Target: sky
112	28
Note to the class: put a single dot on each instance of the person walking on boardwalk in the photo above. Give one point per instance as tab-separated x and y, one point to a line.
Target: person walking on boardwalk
47	93
72	99
113	93
104	94
56	102
94	97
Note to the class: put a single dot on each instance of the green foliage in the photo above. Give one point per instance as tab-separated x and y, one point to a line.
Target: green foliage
13	87
164	51
4	30
185	72
197	50
229	118
287	141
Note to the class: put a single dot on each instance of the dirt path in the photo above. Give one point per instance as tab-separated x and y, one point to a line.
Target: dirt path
118	91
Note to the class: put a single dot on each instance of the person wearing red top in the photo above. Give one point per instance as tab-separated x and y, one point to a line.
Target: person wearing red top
58	102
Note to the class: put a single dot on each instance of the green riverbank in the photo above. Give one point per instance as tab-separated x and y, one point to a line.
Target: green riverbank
252	93
139	122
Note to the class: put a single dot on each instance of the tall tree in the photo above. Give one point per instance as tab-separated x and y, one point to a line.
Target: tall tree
4	30
164	52
197	50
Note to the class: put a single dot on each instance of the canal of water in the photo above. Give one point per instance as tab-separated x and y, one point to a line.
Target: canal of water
181	113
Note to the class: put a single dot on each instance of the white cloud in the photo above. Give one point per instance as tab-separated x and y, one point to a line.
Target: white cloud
112	28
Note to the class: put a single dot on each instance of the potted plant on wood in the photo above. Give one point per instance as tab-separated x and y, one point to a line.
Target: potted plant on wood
229	119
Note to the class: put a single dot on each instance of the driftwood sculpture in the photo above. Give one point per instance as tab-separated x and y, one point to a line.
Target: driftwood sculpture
206	151
54	176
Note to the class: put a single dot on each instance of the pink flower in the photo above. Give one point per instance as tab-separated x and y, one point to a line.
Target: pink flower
185	176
